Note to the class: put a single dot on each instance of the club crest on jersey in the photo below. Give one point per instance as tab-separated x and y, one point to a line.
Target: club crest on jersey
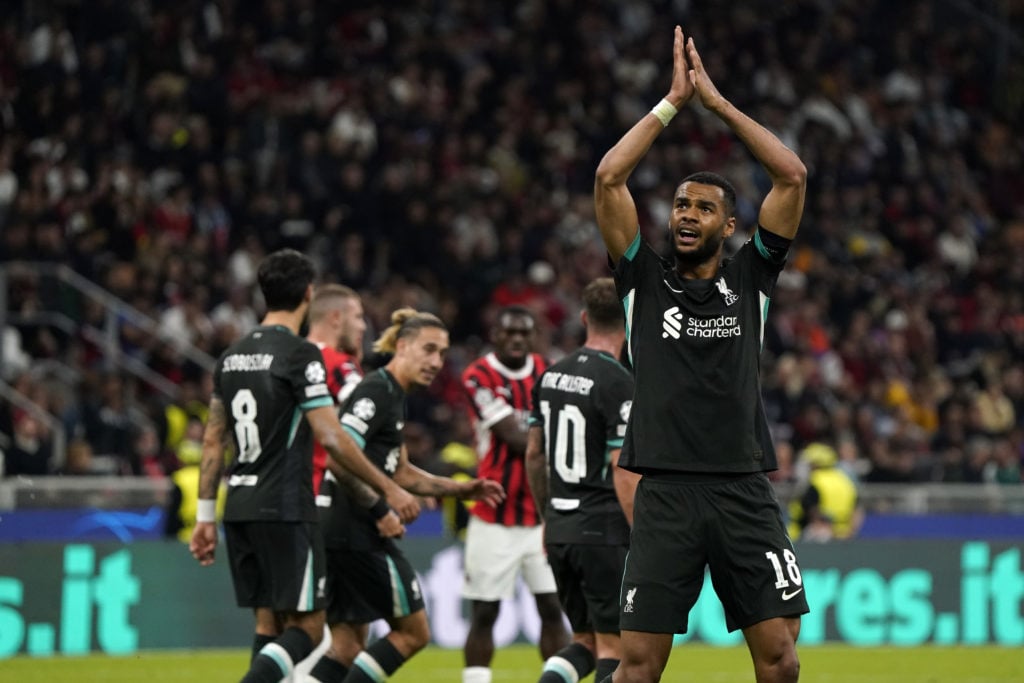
728	295
315	373
364	408
624	410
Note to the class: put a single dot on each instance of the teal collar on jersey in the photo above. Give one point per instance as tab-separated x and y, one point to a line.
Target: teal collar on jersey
274	327
392	382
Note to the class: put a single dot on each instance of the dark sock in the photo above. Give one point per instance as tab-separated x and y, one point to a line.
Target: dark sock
375	663
605	668
277	659
568	665
329	670
258	641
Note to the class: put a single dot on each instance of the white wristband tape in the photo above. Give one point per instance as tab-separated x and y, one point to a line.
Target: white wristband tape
206	511
664	110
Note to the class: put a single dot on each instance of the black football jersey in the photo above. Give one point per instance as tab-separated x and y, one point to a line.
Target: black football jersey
266	381
695	350
583	404
373	415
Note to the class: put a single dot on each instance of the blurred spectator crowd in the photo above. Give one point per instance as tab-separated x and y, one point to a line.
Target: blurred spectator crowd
441	155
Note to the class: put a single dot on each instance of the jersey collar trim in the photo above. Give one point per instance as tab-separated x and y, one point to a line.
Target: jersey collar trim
505	371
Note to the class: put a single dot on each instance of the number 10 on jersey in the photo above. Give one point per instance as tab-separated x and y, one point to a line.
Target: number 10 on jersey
570	454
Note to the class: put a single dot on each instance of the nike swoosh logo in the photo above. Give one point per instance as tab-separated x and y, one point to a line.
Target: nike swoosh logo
789	596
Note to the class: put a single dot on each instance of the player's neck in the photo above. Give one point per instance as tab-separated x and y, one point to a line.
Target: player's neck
396	371
290	319
320	337
609	343
702	270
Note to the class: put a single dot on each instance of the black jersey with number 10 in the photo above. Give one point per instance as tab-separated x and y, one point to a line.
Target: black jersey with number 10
266	381
583	404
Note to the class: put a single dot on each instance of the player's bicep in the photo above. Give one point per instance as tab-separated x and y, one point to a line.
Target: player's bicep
782	208
617	217
324	423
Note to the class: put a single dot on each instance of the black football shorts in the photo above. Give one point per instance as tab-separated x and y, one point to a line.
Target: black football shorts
729	524
588	578
279	565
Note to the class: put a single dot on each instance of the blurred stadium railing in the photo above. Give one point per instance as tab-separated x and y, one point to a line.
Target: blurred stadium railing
61	285
113	492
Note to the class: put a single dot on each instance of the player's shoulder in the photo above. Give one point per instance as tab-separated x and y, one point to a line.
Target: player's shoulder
475	365
335	358
270	343
643	253
479	370
609	366
540	364
567	362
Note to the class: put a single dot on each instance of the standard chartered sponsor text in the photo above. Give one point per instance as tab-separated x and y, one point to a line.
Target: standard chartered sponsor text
722	326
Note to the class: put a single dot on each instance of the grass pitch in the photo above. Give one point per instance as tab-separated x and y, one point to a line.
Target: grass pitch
521	664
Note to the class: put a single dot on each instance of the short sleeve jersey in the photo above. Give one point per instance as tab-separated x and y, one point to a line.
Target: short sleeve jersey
343	374
583	403
695	350
495	392
266	381
373	415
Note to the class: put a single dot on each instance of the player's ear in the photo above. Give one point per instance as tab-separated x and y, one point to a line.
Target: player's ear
309	293
730	226
583	318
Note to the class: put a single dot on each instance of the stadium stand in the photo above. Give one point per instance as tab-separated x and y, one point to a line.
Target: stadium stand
441	155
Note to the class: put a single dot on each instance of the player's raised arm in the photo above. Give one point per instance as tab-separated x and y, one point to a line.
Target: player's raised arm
782	207
614	205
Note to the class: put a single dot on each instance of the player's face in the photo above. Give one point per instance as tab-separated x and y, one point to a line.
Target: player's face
422	356
513	339
699	225
353	326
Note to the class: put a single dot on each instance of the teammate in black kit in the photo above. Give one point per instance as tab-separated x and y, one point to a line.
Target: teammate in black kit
698	432
369	577
264	385
580	409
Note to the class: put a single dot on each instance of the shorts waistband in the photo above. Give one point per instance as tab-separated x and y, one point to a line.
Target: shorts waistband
674	477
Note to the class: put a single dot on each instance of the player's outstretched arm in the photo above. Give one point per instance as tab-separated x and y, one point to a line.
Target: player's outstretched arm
423	483
203	543
783	206
616	211
537	469
344	451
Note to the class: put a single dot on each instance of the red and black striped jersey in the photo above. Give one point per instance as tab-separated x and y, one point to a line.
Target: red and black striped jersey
496	392
343	374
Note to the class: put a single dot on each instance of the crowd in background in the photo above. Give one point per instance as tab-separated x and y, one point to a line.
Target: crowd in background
441	155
